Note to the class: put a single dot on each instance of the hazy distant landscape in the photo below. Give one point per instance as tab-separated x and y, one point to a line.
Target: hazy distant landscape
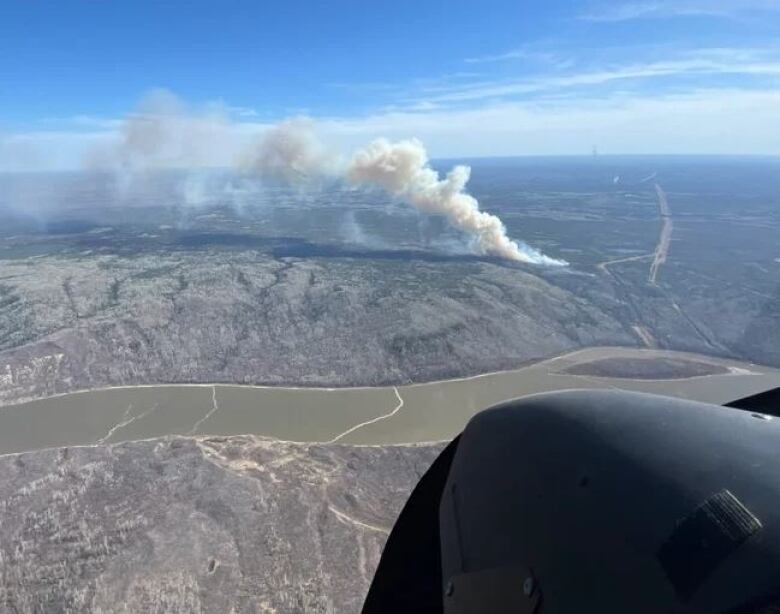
260	263
156	281
180	498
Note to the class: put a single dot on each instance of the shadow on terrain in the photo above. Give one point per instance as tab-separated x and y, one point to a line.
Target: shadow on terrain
277	247
305	249
292	247
233	239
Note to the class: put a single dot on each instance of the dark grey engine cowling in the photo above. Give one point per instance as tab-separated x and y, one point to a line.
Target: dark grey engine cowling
593	501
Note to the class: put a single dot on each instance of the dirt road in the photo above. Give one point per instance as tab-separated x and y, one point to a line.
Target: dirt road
664	239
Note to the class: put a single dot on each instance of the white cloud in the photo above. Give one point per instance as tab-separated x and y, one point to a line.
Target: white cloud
544	57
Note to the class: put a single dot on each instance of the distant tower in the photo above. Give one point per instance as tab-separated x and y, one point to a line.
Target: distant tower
595	152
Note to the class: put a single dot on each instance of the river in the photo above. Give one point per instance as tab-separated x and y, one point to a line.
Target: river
431	411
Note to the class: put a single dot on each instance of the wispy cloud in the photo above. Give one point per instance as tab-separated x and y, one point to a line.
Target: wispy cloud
79	122
637	99
544	57
704	62
244	112
614	11
716	121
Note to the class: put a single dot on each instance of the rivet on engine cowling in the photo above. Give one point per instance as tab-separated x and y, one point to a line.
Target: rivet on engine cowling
528	586
450	588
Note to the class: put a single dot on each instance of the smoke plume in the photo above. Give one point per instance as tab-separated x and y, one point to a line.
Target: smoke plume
290	152
403	170
164	133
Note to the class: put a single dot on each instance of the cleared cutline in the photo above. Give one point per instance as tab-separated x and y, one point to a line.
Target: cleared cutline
125	421
351	430
209	413
346	519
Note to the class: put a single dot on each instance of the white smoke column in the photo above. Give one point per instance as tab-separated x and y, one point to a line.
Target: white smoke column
402	169
290	152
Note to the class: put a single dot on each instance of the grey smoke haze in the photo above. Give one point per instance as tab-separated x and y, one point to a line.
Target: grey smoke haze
290	152
354	232
163	133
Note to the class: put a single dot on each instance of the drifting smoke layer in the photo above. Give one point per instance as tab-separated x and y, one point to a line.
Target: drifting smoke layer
402	169
164	133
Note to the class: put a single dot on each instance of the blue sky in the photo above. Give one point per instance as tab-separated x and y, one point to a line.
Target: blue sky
488	78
